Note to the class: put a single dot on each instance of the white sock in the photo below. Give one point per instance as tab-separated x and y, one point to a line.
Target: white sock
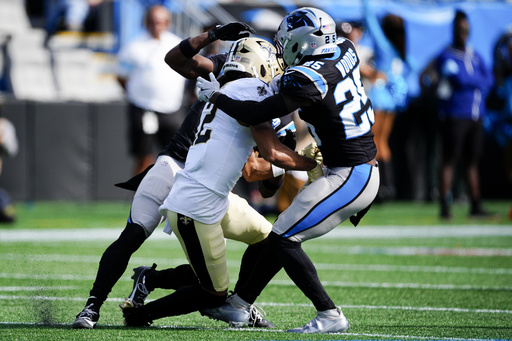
330	313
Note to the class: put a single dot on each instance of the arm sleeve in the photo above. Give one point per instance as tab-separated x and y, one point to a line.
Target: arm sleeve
253	112
218	61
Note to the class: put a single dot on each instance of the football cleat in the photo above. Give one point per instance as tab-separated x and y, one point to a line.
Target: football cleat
256	318
87	318
236	317
140	291
327	321
133	317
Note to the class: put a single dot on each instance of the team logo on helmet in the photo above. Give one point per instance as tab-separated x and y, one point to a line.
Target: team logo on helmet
298	19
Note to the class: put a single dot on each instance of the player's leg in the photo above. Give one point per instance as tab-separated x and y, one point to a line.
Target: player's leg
327	202
322	206
243	223
205	249
143	219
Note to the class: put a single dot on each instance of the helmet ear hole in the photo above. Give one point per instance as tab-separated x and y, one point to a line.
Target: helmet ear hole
295	47
263	72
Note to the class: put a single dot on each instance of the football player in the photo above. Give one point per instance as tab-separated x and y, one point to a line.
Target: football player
323	80
198	207
153	186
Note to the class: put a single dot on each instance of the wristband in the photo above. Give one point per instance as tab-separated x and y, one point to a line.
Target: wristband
187	49
277	171
212	34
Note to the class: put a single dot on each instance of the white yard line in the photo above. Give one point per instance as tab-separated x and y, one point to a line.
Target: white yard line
37	288
275	304
342	232
287	282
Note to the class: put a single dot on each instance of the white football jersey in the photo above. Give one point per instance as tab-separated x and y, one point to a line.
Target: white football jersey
216	159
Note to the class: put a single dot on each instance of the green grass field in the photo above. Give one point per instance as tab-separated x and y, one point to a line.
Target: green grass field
402	274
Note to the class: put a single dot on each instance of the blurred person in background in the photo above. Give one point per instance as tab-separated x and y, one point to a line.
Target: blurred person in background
498	120
8	147
154	91
464	83
68	15
389	90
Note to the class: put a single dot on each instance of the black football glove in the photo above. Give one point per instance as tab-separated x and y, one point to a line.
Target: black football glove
289	139
231	31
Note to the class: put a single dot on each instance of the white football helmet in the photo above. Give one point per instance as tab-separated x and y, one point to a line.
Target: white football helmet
255	56
305	32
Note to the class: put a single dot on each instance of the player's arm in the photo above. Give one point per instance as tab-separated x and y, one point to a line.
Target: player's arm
258	169
253	112
184	58
249	112
272	150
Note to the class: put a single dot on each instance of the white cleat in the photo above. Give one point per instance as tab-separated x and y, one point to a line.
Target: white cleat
327	321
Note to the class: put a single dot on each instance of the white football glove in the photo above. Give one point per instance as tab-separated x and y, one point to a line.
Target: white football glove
207	88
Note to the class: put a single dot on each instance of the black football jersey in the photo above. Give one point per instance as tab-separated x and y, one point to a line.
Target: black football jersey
341	116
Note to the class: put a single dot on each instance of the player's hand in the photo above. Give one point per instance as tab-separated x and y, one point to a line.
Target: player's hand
313	174
313	152
231	31
207	88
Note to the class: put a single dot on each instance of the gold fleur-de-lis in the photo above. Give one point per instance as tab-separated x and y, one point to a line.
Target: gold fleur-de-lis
185	220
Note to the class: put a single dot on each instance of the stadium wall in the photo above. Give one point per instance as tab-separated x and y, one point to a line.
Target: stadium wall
68	151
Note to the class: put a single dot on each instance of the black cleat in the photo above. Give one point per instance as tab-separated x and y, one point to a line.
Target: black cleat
87	318
133	317
140	291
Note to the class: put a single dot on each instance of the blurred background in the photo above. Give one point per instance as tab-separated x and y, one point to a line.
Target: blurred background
58	88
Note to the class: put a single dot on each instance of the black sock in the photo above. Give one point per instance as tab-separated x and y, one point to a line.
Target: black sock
249	259
266	267
302	271
94	303
175	279
183	301
115	259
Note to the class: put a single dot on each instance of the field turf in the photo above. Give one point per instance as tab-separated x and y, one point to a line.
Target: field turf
401	275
